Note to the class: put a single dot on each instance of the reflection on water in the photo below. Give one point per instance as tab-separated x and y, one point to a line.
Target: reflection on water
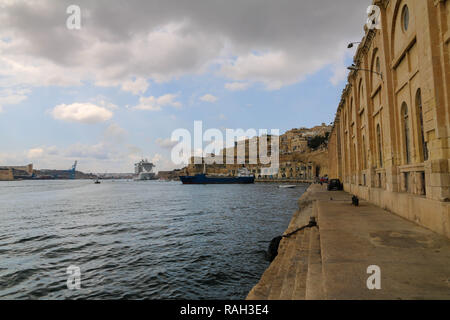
151	240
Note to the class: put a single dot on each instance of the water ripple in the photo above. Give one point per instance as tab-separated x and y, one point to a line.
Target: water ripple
137	240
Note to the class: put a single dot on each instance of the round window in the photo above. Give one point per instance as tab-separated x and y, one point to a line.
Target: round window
405	18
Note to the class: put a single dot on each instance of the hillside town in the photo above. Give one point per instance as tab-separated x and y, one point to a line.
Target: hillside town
302	157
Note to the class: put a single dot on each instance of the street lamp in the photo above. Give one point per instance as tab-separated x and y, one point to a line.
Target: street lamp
353	68
350	45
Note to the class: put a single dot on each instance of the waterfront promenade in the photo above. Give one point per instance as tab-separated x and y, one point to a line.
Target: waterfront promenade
330	261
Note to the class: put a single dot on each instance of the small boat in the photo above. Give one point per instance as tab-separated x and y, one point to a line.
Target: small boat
287	186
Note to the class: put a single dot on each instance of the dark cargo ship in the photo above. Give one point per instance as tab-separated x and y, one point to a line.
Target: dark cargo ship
243	177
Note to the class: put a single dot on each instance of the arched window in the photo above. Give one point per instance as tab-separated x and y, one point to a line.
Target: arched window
405	123
421	129
379	144
364	159
378	65
405	18
361	96
350	115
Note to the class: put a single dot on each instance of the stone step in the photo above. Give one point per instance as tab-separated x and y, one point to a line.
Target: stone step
285	253
302	269
289	278
314	278
262	289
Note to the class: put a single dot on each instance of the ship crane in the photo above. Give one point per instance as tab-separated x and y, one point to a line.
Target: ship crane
72	171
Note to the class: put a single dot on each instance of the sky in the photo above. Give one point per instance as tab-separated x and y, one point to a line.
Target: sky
112	91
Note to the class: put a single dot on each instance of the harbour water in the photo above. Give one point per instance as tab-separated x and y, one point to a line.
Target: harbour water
137	240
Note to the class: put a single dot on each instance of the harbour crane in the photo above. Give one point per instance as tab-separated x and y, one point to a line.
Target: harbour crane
72	171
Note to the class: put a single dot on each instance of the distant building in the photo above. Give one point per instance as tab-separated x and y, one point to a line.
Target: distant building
8	173
296	160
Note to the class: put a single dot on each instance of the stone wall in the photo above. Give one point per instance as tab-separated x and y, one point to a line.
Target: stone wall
390	140
6	174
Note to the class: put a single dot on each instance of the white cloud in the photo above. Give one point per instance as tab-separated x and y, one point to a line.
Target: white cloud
209	98
99	151
237	86
102	102
162	163
340	71
155	104
137	86
12	96
115	133
81	112
35	153
273	69
166	143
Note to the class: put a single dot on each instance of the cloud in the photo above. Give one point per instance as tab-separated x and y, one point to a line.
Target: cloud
166	143
81	112
275	43
162	163
340	71
137	86
12	96
209	98
103	102
155	104
98	151
35	153
273	69
115	133
237	86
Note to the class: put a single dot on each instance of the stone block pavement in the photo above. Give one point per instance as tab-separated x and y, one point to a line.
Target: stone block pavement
331	261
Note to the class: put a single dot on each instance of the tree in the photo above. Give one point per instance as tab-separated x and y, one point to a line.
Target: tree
317	141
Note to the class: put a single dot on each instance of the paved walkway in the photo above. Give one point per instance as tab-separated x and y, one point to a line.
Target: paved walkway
331	262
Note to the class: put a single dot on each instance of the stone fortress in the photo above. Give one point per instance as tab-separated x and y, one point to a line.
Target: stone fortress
297	159
13	172
390	140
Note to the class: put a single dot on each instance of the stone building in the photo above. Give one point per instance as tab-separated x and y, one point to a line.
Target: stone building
8	173
390	140
292	165
296	140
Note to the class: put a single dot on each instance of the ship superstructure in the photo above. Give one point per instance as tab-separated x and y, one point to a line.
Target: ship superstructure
144	170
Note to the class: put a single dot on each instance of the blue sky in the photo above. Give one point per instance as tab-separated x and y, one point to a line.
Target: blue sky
117	98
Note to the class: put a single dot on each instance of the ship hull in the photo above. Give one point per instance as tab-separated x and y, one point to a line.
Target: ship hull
203	179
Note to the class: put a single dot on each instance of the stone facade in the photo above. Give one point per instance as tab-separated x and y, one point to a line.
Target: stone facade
296	160
390	139
8	173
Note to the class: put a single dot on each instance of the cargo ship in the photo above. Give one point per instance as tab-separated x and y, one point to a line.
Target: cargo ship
243	177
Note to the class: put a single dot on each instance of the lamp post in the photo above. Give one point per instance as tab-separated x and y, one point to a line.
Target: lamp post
352	68
350	45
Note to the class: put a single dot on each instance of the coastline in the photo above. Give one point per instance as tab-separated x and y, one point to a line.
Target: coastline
331	261
271	282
